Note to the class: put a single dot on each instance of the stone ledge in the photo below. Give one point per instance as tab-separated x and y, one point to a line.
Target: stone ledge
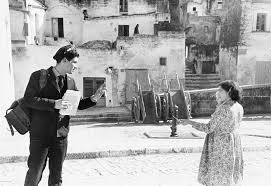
128	152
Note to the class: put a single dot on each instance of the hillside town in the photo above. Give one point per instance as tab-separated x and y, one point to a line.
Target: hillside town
163	64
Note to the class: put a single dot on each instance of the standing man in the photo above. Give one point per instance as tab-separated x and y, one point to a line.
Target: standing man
49	129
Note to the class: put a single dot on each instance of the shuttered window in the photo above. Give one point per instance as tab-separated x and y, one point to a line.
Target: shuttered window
91	85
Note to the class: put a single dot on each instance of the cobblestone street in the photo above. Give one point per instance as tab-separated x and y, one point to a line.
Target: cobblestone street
152	170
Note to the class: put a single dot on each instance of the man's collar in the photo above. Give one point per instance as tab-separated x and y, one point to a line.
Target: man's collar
56	72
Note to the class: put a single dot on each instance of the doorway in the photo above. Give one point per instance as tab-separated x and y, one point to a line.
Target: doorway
58	27
131	86
208	67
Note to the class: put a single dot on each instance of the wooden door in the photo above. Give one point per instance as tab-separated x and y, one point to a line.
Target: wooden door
263	72
131	77
60	28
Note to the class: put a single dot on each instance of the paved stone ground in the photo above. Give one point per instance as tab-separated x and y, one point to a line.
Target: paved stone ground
151	170
104	137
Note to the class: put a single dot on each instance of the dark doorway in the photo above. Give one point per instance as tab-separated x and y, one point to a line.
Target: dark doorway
208	67
60	27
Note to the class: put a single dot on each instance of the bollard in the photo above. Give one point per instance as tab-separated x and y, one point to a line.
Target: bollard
174	122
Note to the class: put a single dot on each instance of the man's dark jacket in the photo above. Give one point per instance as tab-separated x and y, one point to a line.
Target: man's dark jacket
45	119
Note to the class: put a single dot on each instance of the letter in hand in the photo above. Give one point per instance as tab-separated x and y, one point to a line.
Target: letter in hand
98	94
61	104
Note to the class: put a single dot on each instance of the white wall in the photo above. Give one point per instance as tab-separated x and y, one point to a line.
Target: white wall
105	25
107	8
258	45
107	29
141	51
72	21
6	70
36	21
16	25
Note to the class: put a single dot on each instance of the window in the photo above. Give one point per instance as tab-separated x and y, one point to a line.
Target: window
163	61
206	29
124	6
58	27
194	9
261	22
91	85
123	30
219	4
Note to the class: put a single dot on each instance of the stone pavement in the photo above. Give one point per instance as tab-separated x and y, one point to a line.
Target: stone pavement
126	139
151	170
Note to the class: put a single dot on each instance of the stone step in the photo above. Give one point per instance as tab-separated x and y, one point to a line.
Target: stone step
201	85
198	87
195	79
203	75
100	118
202	81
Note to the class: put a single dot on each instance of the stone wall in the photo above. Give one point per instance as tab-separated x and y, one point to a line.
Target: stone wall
104	18
16	25
97	8
256	100
6	70
107	28
144	51
141	51
257	47
228	64
199	5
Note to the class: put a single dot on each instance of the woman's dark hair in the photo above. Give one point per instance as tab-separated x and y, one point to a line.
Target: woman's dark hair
69	52
233	89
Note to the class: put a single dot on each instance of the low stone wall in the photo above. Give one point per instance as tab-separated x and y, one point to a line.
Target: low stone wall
256	100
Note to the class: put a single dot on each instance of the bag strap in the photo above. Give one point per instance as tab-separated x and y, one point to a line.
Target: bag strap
14	104
43	78
10	126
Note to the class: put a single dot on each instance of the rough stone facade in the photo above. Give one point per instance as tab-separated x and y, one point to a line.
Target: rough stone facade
138	52
26	22
102	21
254	59
6	70
256	100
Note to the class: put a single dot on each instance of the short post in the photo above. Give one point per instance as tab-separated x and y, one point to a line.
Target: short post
174	122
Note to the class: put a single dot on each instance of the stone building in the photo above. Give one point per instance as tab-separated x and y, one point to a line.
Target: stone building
254	59
88	20
26	22
6	70
111	49
202	45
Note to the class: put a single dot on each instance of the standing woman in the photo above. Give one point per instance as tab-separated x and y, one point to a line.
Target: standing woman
222	158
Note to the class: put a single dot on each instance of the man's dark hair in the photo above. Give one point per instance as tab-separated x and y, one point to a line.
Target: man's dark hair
233	89
69	52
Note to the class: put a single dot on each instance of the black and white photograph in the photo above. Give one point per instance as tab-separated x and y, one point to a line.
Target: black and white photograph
135	92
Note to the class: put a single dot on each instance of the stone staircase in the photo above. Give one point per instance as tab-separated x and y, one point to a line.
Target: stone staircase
200	81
